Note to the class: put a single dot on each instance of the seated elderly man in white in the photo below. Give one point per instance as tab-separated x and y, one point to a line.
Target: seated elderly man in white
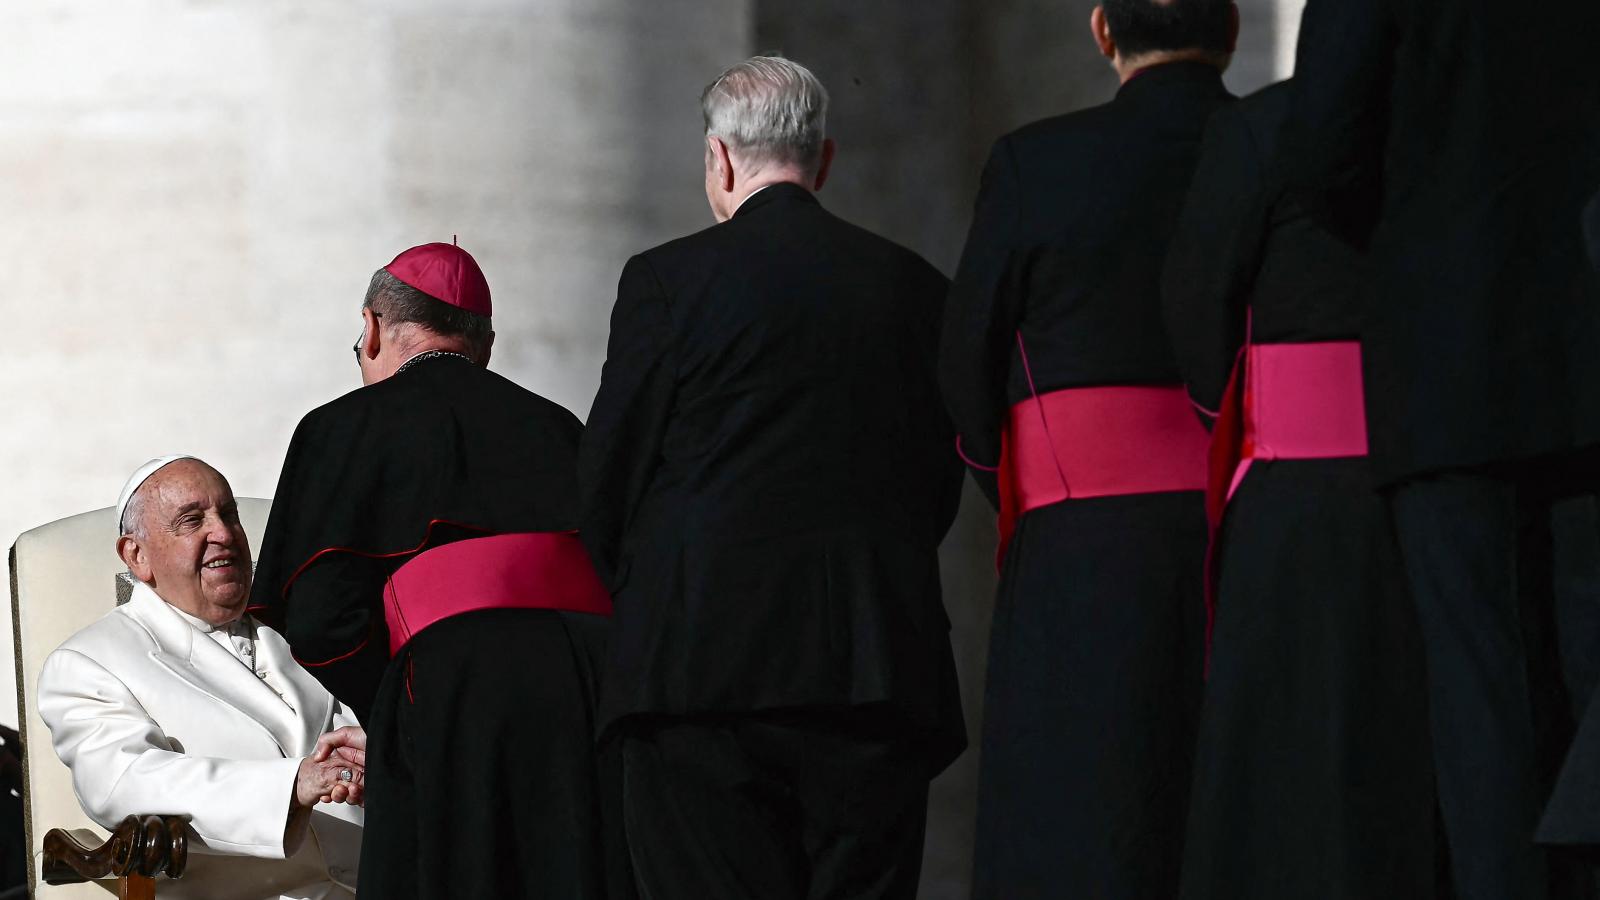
179	703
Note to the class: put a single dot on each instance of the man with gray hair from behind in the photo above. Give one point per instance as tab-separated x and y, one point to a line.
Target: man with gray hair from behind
766	474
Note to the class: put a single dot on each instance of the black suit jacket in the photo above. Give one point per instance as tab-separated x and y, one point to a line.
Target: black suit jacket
1071	226
1238	259
1460	140
767	472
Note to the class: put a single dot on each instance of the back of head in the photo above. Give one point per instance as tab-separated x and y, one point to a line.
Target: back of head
1161	26
769	110
400	303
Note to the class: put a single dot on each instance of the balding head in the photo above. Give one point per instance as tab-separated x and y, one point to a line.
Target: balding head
182	537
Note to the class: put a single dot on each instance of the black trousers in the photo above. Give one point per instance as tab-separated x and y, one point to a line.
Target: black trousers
1479	554
815	805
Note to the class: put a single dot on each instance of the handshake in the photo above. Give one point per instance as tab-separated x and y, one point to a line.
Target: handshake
335	772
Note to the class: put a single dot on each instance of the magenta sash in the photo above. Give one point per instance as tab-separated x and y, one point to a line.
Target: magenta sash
1098	442
533	570
1302	401
1284	401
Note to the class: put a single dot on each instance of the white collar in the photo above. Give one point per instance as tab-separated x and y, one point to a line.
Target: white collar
237	626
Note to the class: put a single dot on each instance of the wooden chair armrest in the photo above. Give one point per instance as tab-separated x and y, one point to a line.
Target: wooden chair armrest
140	846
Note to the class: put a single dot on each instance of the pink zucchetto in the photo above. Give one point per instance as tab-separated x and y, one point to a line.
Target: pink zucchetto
446	273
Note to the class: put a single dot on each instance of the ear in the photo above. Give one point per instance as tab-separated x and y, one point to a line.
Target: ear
828	148
372	340
1102	33
1233	27
488	347
721	162
133	556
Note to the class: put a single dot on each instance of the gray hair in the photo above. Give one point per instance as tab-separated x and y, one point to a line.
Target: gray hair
133	514
132	524
768	109
399	302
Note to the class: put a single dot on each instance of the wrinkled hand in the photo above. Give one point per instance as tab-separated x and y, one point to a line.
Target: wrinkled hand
344	748
322	782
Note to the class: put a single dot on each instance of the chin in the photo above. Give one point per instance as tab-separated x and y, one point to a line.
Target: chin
229	597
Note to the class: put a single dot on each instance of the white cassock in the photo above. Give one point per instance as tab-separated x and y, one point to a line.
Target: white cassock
156	715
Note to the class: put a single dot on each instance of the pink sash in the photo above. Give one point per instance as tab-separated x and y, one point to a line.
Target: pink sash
1284	401
1301	401
533	570
1098	442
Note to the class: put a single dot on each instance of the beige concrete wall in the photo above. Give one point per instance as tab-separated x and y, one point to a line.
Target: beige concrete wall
193	195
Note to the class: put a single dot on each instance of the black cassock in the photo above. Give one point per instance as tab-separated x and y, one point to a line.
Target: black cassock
482	779
1460	146
1096	650
767	473
1572	818
1313	777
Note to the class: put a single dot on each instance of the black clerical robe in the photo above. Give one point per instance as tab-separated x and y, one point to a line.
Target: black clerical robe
1572	818
1312	777
1096	649
1459	144
767	472
442	451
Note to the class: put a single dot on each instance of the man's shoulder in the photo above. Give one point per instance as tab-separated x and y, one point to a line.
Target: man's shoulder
1052	130
340	407
728	242
402	398
1067	148
1266	108
695	245
908	262
116	636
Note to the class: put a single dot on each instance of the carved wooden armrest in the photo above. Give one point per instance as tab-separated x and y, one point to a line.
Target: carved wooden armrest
140	847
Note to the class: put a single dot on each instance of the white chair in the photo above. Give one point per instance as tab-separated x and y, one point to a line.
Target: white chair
65	575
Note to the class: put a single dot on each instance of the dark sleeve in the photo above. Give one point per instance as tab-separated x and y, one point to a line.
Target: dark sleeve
622	439
1330	155
327	609
273	563
335	626
945	467
980	322
1214	256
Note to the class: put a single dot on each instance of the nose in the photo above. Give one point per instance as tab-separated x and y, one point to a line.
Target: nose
219	531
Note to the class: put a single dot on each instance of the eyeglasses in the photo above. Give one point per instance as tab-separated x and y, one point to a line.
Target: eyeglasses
363	338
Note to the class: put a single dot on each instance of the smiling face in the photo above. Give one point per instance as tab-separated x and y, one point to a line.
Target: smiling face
188	545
